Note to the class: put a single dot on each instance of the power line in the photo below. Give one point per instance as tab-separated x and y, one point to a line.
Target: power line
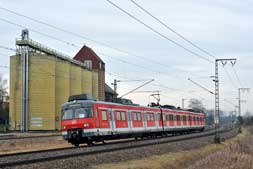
229	77
38	32
82	37
182	37
7	48
101	43
171	29
197	84
236	75
159	33
72	44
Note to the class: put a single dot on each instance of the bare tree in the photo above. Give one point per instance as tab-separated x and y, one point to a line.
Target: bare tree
196	105
3	88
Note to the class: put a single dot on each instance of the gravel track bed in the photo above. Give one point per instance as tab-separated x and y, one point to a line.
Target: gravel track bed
89	149
115	156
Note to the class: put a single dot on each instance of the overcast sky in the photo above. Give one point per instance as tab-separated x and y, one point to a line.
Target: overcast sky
222	27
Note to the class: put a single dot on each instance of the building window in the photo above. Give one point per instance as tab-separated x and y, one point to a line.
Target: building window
104	115
88	64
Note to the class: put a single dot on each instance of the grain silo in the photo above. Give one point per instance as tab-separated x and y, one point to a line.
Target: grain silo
41	79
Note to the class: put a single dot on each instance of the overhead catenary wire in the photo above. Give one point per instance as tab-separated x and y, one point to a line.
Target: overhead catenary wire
159	33
75	34
82	37
184	38
66	42
77	46
171	29
7	48
237	77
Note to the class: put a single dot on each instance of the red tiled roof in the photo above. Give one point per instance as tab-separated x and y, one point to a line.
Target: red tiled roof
86	52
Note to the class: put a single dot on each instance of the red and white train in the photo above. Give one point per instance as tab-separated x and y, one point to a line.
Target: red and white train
86	121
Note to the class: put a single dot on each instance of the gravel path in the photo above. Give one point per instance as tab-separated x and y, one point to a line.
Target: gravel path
122	155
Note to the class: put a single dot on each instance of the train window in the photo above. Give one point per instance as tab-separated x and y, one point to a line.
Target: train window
181	118
178	118
148	116
123	115
184	118
139	116
167	117
104	115
171	117
135	115
67	115
82	113
152	117
118	116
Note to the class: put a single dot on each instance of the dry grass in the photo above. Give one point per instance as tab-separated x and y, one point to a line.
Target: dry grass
236	155
239	145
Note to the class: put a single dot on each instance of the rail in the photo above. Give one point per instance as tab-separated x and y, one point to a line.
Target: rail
42	157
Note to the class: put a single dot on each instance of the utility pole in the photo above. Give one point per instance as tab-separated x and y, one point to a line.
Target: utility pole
183	99
115	85
240	101
217	102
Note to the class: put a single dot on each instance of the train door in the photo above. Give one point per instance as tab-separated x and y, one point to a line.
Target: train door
130	124
175	120
156	120
144	120
190	120
112	120
104	118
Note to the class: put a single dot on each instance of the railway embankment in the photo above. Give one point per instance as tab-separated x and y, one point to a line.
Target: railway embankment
234	153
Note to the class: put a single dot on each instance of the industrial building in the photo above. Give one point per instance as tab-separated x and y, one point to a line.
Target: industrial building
42	79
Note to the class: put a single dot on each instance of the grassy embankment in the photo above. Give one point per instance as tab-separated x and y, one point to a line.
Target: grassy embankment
234	153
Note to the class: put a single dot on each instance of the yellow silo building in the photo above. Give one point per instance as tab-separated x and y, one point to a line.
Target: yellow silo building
41	80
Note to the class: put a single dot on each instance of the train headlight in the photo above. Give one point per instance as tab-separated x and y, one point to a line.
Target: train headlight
86	125
63	127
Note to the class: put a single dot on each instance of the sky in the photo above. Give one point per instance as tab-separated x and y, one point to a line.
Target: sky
221	27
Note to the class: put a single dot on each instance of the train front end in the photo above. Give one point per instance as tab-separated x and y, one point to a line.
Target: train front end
77	120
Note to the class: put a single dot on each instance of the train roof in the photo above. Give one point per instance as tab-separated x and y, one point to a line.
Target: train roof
91	102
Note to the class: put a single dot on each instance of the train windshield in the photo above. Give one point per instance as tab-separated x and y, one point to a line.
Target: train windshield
77	113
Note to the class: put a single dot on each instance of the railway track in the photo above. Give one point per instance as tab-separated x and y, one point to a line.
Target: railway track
14	137
57	154
82	146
